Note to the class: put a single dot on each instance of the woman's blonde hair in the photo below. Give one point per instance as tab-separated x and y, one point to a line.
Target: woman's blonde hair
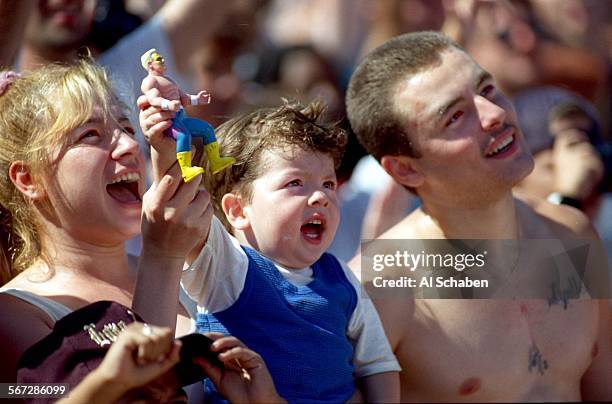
37	111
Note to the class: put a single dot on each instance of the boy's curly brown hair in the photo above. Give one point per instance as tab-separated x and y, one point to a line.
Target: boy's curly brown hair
247	136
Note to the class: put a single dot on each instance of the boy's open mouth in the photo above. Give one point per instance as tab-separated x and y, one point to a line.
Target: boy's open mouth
313	229
125	188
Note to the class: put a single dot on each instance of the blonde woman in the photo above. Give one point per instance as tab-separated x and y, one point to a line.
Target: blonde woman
71	193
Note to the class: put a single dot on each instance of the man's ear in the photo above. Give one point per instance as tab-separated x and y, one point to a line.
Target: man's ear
403	170
21	176
232	205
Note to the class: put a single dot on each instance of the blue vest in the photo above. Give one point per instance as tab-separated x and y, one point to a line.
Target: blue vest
300	331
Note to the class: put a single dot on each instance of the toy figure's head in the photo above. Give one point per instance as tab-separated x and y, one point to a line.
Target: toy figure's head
152	61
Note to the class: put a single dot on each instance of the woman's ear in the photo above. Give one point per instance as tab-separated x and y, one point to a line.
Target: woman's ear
23	179
403	170
232	205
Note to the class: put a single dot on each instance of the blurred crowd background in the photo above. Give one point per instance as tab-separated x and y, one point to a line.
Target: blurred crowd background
553	57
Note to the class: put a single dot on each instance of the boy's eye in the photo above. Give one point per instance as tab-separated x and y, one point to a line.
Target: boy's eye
454	118
130	130
330	185
294	183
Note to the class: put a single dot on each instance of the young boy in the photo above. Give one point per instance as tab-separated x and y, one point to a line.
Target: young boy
299	307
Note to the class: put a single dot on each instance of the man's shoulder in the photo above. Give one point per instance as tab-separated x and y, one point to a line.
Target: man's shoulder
546	220
410	227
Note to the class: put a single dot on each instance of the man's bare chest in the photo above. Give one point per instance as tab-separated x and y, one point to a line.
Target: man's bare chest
482	348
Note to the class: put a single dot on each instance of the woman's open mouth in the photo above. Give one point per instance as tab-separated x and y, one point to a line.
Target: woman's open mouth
125	188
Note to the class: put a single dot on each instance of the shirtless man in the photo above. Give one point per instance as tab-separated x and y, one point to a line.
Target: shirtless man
439	126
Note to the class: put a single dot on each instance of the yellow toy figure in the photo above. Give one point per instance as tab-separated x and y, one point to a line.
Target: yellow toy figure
161	90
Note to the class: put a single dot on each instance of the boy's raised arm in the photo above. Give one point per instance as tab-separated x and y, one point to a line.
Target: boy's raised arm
376	368
381	388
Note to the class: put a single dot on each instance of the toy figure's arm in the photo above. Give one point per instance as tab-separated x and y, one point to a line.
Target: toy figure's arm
202	98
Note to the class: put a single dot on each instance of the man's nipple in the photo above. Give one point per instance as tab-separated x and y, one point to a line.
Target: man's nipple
469	386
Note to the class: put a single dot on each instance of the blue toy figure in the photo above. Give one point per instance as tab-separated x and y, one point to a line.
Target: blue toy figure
161	90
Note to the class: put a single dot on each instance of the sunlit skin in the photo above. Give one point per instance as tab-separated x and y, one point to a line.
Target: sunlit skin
299	187
98	153
458	123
